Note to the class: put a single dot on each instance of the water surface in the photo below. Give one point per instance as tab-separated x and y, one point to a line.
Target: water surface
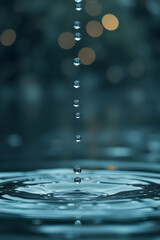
119	204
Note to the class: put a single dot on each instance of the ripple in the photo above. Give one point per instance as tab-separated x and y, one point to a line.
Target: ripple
103	198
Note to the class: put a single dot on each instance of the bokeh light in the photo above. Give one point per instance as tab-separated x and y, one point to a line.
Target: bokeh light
110	22
94	29
8	37
66	40
111	168
93	8
87	56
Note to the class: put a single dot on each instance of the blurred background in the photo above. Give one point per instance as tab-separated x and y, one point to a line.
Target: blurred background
119	75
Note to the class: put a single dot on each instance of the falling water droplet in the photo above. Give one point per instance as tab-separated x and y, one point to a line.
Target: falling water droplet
77	25
76	84
78	115
78	223
78	138
78	6
77	169
77	37
77	61
76	103
78	1
77	180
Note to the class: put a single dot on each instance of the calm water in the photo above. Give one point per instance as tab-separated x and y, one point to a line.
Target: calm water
119	204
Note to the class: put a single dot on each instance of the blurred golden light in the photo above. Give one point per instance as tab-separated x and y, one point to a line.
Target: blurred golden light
114	74
110	22
87	56
111	168
8	37
66	40
94	28
93	8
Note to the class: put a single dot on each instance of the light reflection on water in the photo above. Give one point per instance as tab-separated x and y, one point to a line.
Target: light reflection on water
112	204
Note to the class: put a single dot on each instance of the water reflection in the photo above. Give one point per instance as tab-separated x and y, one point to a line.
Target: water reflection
114	202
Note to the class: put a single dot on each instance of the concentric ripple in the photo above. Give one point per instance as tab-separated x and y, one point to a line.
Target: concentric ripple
130	199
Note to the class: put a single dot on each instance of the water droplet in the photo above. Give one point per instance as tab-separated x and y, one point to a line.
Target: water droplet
77	25
77	180
78	138
76	103
78	223
77	169
77	61
78	1
78	6
76	84
77	37
78	115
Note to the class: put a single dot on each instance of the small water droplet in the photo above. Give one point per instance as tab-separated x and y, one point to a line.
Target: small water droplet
78	138
77	169
78	1
78	115
78	223
76	103
76	84
77	180
78	6
77	37
77	25
77	61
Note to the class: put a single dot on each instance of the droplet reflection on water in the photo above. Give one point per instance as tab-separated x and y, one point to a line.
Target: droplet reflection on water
121	200
78	223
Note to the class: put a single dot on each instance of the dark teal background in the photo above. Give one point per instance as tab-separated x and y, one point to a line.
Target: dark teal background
37	124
